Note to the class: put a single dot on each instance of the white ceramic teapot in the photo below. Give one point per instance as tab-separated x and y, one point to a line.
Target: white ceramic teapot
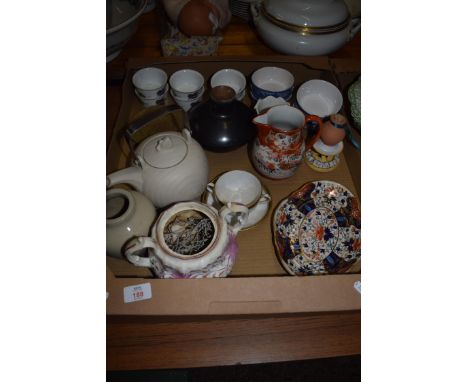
169	167
191	240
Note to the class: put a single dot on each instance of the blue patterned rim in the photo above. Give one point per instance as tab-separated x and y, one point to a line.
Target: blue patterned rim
258	93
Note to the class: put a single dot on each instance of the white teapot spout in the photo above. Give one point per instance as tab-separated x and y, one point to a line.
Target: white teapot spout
131	175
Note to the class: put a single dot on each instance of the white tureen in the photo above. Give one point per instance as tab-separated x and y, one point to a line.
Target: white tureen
304	27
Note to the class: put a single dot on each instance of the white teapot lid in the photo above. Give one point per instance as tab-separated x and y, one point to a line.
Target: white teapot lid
307	13
164	150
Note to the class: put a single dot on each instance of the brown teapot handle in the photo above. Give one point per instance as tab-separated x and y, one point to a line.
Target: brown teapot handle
314	128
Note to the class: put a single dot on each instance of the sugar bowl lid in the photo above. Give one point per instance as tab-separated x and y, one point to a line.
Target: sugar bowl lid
307	16
164	150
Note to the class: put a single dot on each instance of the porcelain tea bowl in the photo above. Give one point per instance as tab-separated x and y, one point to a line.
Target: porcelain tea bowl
232	78
191	240
187	104
271	81
150	84
149	102
186	84
319	97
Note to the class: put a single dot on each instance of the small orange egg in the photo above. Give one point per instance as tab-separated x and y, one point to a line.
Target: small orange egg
331	135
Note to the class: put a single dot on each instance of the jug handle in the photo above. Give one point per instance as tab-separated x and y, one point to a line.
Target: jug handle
314	128
137	244
229	214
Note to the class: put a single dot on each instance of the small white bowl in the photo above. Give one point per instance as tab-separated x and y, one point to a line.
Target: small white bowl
186	84
186	104
148	102
272	81
232	78
150	82
319	97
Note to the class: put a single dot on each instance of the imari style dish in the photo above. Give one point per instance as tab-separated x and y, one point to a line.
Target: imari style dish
317	230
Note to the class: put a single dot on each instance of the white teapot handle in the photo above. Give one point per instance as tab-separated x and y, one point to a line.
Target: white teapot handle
235	215
137	244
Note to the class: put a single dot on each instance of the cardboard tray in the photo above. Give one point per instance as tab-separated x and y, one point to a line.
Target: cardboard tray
258	283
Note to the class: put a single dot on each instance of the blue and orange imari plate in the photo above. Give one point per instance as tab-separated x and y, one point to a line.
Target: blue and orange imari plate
317	230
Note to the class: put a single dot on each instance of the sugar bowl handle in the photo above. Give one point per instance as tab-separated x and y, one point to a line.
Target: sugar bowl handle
355	27
137	244
210	187
235	215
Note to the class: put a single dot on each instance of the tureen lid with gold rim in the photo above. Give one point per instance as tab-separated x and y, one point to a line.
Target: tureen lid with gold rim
307	16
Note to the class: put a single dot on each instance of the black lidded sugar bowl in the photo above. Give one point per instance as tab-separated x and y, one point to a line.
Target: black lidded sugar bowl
222	123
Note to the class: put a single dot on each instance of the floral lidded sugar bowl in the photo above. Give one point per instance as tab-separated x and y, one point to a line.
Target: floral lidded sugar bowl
191	240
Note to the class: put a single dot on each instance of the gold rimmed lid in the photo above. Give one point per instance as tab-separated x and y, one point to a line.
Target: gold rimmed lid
306	17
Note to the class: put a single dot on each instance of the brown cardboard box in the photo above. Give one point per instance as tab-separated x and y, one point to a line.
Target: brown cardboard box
258	284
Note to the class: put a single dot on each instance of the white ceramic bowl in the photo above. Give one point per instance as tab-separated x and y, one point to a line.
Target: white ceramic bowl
271	81
121	23
232	78
187	104
148	102
186	84
150	83
319	97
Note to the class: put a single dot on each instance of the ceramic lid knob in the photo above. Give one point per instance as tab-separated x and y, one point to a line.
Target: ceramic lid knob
165	151
223	93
